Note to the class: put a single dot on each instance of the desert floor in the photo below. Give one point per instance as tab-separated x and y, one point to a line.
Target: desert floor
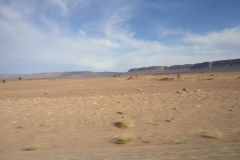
191	117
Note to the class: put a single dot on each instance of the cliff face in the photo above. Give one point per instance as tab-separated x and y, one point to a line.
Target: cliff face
215	66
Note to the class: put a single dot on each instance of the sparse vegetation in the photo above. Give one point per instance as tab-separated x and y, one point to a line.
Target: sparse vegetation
215	134
19	78
123	140
166	79
132	77
123	124
207	79
180	142
116	75
146	142
20	127
178	76
169	120
35	148
30	148
3	81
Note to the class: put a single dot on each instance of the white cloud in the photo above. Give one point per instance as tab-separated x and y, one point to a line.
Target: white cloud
226	41
65	7
82	32
116	49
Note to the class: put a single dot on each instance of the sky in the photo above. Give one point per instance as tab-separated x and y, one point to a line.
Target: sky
115	35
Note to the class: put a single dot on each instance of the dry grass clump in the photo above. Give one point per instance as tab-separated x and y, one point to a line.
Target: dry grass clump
35	148
123	124
169	120
215	134
132	77
178	76
166	79
180	142
125	140
19	127
207	79
30	148
3	81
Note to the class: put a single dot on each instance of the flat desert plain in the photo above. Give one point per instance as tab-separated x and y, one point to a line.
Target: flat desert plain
163	117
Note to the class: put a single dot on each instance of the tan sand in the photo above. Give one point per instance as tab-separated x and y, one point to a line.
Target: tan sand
194	116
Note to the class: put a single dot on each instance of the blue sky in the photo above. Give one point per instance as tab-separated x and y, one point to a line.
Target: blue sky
102	35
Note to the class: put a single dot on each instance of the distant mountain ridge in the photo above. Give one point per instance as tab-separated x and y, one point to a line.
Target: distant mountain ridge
58	75
215	66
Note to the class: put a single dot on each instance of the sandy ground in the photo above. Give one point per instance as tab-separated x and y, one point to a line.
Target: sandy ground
194	116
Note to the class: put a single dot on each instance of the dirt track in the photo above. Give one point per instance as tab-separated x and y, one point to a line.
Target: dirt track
194	117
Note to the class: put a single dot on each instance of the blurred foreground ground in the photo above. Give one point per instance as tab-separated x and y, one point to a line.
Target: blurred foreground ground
194	116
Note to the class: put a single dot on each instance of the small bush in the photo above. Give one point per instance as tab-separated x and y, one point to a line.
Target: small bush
19	78
123	124
132	77
20	127
30	148
178	76
215	134
35	148
168	120
180	142
4	81
123	140
207	79
166	79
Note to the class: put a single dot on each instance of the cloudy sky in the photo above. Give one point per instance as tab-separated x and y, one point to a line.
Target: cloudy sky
115	35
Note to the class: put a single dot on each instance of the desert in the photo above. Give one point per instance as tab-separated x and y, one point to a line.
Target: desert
119	80
154	117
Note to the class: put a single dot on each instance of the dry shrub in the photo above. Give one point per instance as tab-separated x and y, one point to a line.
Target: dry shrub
35	148
125	140
207	79
178	76
166	79
123	124
20	127
215	134
180	142
132	77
